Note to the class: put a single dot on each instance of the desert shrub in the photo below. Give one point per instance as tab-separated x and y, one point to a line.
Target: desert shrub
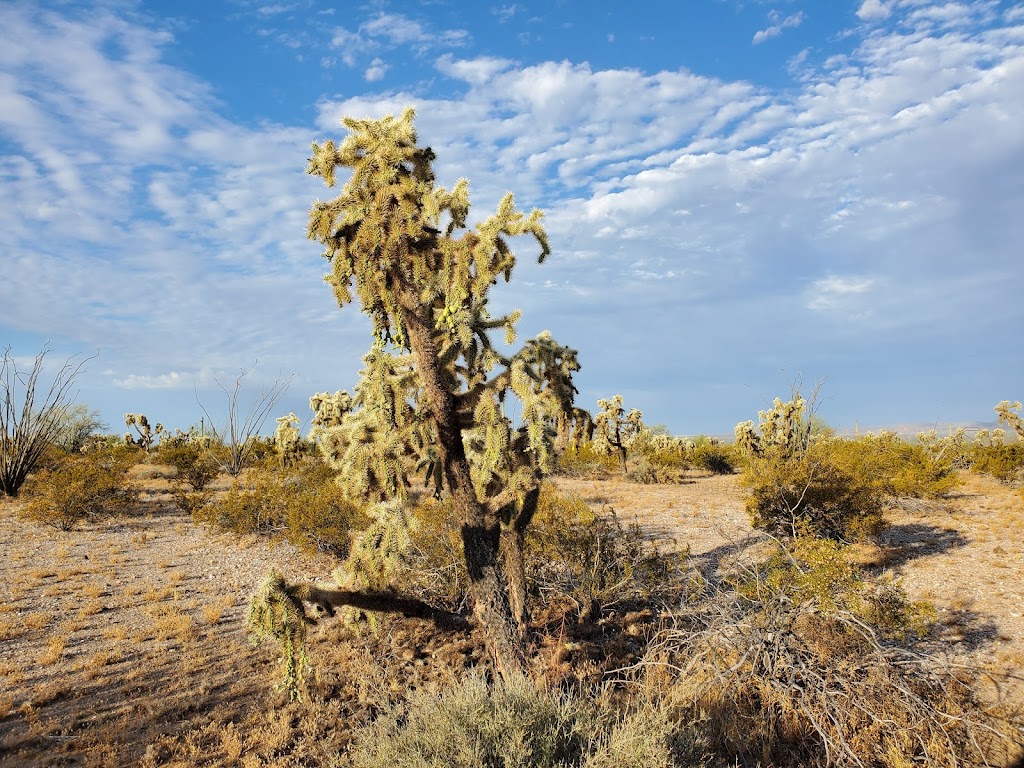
304	505
593	560
710	455
896	467
82	487
1004	461
193	463
584	460
518	724
656	469
812	492
804	661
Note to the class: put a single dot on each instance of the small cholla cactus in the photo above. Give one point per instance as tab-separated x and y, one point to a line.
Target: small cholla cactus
147	434
287	439
1009	414
615	429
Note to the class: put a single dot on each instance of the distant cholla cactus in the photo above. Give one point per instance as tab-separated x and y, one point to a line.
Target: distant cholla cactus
784	428
951	447
615	429
288	439
146	433
995	438
1009	414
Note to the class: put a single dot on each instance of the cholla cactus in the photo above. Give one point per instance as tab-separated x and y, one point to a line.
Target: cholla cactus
276	612
433	387
1009	414
785	428
951	447
615	429
328	409
995	438
146	433
288	439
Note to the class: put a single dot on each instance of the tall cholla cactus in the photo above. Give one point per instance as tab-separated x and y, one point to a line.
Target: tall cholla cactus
1009	414
433	386
615	429
784	428
146	433
288	439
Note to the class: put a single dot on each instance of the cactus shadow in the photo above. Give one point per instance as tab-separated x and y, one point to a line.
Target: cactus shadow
905	542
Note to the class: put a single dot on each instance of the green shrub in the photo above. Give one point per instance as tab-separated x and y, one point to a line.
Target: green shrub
304	505
711	456
82	487
584	460
1005	462
194	465
813	492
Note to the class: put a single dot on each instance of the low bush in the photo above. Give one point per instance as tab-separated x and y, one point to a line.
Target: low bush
593	560
813	492
81	487
711	456
1005	462
584	460
194	464
520	725
304	505
803	660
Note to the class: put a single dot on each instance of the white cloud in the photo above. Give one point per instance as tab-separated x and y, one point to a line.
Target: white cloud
873	10
505	12
390	31
778	25
375	71
833	291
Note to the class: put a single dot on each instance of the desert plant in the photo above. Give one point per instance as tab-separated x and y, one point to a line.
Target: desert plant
709	454
584	460
79	426
288	440
146	433
240	434
797	484
29	427
1009	414
594	561
804	660
614	429
86	486
519	725
302	505
432	387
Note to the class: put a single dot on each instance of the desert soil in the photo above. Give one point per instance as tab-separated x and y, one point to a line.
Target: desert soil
129	633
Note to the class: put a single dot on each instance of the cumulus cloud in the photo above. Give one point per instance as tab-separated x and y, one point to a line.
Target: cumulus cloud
873	10
375	71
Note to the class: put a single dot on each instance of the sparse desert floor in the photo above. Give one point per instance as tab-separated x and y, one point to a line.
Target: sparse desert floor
123	642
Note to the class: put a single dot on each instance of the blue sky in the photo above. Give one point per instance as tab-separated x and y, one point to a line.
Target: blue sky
739	194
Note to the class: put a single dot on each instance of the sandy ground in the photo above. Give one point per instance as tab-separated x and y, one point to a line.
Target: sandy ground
131	629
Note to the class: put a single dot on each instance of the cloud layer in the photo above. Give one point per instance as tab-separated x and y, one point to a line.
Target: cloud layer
711	236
